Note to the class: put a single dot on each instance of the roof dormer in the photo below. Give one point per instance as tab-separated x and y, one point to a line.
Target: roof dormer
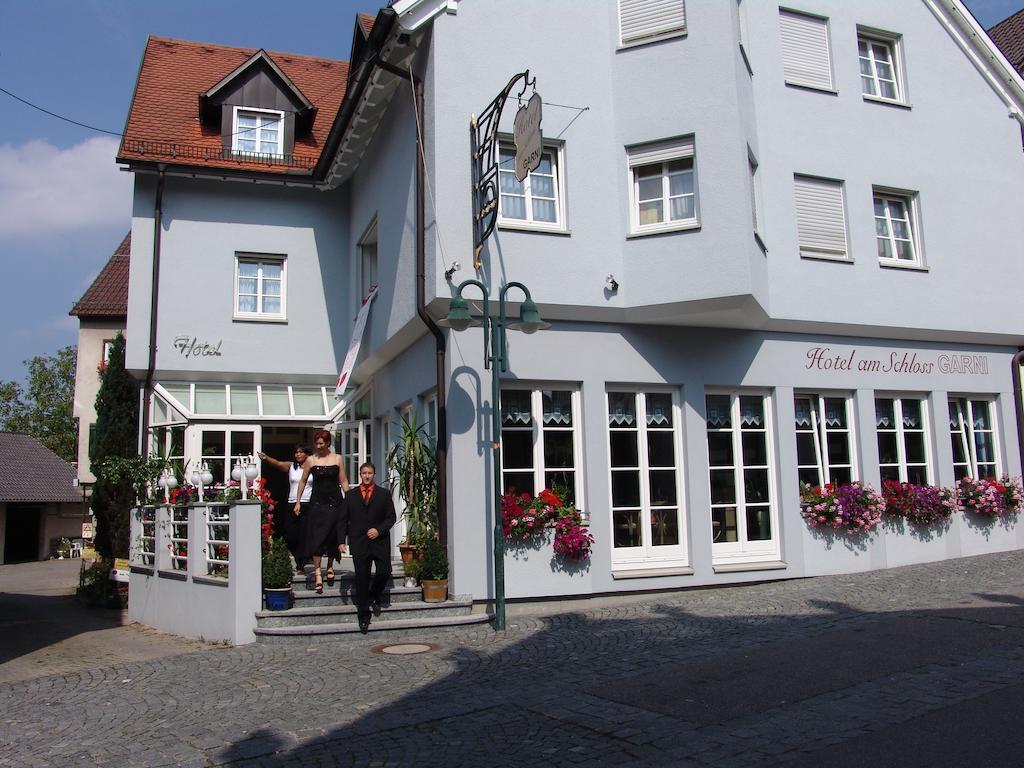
258	109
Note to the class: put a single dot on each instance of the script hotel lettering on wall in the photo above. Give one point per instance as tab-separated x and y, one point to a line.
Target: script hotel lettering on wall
824	359
190	346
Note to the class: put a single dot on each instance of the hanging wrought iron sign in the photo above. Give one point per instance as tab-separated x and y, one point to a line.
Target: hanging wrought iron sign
483	134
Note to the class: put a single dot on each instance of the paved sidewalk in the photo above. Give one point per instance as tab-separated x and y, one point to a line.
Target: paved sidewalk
921	665
44	631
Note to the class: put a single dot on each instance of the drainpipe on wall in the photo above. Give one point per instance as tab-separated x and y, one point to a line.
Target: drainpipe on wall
147	392
1018	406
421	306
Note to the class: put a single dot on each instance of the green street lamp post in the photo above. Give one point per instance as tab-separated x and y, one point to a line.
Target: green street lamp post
496	359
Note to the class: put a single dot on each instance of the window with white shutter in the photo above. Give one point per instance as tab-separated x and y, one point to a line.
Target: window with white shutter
820	218
643	21
806	60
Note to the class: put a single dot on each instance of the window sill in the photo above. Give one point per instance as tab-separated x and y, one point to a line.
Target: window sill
515	226
652	39
815	88
651	573
145	570
912	266
258	319
826	257
664	229
886	102
764	565
173	575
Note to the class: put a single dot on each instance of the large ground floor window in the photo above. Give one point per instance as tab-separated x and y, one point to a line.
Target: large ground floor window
740	456
540	441
824	439
972	429
902	427
645	479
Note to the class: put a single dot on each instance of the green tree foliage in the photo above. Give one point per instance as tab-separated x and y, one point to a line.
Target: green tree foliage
43	408
114	437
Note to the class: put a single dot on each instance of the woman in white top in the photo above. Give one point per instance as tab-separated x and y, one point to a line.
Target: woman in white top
293	521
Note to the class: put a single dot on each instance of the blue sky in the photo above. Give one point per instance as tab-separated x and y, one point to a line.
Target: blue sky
64	206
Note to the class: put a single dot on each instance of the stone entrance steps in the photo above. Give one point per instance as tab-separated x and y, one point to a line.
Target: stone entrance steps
333	613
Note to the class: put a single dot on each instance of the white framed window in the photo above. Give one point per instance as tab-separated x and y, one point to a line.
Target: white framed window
258	132
972	429
536	202
824	439
806	53
221	446
902	427
430	416
663	187
540	441
896	227
880	71
744	521
820	218
644	21
368	260
645	480
259	287
108	346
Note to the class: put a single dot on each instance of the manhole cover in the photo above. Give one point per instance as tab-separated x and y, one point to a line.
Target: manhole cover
405	649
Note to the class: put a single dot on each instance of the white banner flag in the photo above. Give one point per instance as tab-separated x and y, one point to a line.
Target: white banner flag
357	340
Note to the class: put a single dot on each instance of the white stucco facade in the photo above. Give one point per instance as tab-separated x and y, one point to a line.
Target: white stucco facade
730	306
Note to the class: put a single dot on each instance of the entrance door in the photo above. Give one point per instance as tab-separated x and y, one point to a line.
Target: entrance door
21	542
353	443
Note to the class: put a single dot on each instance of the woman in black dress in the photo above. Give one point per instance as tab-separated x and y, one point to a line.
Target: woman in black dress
320	532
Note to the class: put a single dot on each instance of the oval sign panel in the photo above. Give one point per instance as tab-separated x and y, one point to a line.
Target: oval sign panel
526	130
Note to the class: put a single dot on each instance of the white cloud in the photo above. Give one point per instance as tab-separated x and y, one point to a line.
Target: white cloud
45	189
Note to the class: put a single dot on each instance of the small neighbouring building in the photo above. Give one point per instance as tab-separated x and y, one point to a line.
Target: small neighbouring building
40	501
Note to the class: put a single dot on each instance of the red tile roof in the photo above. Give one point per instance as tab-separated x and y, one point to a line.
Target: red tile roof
108	294
163	122
1008	35
366	22
30	472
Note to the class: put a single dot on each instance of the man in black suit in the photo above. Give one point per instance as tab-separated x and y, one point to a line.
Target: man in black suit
366	519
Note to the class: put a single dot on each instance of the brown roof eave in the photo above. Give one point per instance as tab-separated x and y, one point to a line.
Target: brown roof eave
378	35
135	165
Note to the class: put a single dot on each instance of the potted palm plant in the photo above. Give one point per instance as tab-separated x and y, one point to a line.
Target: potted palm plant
412	464
277	575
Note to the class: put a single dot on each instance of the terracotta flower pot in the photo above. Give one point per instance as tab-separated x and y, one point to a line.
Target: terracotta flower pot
434	591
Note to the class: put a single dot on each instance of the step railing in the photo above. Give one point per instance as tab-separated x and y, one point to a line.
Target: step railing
196	570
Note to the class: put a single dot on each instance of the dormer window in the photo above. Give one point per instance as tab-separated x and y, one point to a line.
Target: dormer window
258	132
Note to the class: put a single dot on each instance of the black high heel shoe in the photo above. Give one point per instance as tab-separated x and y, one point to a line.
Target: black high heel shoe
330	576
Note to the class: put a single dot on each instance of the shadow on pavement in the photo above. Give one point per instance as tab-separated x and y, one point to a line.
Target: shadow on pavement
676	688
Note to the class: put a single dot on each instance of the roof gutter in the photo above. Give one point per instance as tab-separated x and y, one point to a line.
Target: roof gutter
1018	405
147	393
379	34
440	351
983	53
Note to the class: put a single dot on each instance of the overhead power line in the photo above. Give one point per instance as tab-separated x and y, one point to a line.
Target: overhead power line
54	114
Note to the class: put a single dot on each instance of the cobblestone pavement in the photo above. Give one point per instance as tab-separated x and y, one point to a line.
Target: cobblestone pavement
909	666
44	631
